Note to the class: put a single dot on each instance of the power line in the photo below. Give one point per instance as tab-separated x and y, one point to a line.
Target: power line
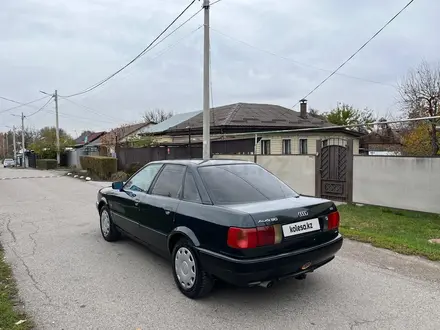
298	62
163	51
137	57
88	108
68	115
20	103
177	42
34	113
356	52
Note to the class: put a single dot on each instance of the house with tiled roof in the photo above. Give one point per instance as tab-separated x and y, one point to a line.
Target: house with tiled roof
87	137
279	130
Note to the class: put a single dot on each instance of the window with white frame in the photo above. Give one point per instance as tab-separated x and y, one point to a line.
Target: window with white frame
265	147
303	146
287	147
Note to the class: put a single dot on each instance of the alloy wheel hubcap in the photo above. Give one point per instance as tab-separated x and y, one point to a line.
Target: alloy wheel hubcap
105	223
185	268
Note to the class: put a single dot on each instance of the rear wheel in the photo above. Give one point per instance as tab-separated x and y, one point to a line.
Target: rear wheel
108	229
189	276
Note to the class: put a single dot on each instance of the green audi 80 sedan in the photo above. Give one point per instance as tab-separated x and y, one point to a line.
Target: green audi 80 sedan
223	220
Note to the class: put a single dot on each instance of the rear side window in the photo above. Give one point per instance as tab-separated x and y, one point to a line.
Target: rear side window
169	182
243	183
190	191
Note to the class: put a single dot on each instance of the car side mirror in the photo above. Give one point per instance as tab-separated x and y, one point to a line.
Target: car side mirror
117	185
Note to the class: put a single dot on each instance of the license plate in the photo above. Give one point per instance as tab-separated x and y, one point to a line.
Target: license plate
301	227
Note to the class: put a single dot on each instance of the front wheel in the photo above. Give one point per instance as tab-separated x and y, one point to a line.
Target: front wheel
189	276
108	229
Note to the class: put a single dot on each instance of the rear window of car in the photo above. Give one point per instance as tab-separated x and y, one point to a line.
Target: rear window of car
243	183
9	160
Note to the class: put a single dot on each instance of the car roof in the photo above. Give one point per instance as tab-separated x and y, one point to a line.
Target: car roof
201	162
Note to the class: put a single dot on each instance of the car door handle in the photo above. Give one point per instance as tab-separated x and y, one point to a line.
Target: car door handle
136	202
167	212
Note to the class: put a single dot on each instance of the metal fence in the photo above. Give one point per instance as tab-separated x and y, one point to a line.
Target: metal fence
128	156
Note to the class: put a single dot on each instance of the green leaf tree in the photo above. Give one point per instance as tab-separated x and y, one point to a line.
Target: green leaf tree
345	115
45	142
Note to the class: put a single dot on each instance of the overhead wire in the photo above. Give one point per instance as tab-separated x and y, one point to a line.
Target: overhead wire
166	49
356	52
35	112
141	53
67	115
20	103
88	108
295	61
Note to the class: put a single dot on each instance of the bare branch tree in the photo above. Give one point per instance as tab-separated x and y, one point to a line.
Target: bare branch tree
157	115
420	97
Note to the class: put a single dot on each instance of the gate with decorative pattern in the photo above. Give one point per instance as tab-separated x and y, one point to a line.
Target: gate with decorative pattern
334	169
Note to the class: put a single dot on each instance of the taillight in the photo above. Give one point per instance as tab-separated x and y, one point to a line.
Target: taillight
242	238
333	220
248	238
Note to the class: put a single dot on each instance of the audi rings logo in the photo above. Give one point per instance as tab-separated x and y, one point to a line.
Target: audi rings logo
303	213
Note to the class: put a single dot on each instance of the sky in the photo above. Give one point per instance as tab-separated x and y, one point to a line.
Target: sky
262	51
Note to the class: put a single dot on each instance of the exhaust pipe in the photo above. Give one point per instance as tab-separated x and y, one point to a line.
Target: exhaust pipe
266	284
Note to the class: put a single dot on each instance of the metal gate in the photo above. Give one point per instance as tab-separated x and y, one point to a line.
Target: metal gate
334	169
32	159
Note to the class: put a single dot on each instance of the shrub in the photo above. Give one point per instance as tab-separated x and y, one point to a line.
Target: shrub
46	164
102	167
48	154
119	176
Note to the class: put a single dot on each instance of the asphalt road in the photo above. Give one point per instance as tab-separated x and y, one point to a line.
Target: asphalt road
70	278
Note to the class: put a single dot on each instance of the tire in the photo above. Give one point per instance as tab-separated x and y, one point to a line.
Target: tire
197	283
108	230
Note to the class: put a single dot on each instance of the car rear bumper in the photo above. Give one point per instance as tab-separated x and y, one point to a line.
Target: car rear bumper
248	272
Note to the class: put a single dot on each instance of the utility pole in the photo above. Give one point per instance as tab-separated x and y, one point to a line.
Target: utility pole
206	114
3	141
23	147
57	127
7	144
15	148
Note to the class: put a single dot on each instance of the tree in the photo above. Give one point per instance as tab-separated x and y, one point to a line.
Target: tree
344	115
420	96
417	140
45	141
157	116
315	113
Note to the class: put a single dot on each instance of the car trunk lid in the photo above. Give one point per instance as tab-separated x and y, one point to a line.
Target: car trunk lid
301	220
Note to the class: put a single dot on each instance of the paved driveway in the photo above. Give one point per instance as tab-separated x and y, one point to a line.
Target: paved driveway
70	278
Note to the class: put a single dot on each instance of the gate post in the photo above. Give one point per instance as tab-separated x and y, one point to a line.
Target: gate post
318	168
349	178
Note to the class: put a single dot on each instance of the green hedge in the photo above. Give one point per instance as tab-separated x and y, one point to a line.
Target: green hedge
46	164
102	167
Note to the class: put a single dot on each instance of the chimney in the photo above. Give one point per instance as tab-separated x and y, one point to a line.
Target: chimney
303	108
